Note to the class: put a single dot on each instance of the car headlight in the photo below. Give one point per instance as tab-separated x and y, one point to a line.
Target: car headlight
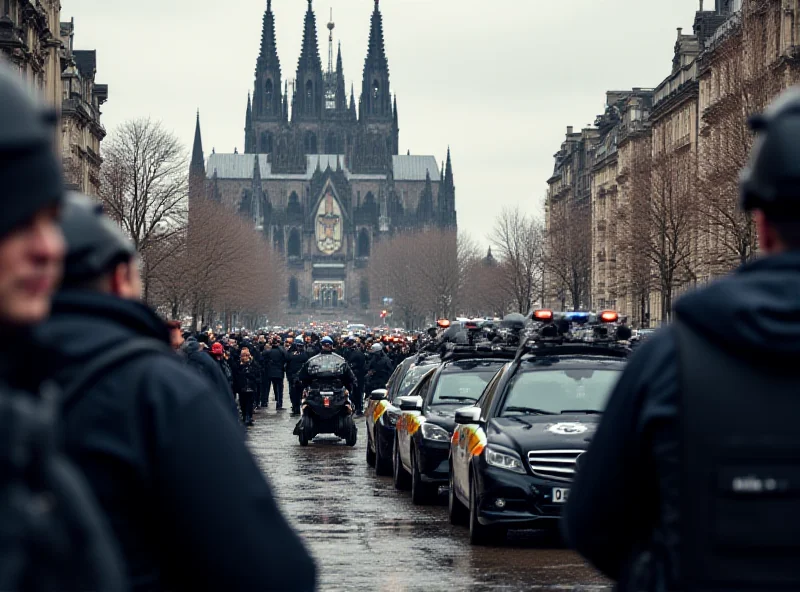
390	418
434	432
503	460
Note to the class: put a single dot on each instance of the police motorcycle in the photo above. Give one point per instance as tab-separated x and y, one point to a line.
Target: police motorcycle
326	407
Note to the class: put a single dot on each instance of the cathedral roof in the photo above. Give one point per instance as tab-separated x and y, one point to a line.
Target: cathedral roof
409	167
240	166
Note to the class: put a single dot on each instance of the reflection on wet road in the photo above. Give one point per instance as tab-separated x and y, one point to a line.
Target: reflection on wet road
365	535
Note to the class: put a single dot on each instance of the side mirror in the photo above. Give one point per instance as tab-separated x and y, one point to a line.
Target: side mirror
468	415
413	403
378	395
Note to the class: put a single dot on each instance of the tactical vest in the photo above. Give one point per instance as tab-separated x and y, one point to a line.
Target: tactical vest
740	496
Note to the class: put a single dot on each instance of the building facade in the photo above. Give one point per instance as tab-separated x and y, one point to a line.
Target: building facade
666	162
81	130
320	174
40	47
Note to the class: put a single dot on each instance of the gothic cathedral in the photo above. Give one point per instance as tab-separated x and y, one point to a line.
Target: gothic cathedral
323	179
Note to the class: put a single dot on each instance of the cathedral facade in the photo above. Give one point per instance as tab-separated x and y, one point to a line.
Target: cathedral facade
320	175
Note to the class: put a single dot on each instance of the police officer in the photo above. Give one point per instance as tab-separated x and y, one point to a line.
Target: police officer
379	368
347	378
54	537
691	480
295	360
355	357
164	457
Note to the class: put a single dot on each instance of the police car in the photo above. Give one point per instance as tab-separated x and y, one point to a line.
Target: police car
382	413
427	419
512	456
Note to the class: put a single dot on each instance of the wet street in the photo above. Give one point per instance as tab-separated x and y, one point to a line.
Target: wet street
365	535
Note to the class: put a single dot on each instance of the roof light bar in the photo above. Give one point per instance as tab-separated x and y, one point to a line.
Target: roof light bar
543	315
609	316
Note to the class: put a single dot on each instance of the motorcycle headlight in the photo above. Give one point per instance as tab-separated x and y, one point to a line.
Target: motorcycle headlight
434	432
390	418
504	460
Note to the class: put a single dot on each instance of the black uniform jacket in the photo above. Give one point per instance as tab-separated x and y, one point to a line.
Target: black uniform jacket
623	511
167	462
275	361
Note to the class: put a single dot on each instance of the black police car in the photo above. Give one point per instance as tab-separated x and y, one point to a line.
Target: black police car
382	414
513	456
423	431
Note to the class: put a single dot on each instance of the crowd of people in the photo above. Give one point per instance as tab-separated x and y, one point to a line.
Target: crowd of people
246	368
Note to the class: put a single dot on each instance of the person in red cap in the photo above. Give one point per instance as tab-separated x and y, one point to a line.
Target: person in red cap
218	353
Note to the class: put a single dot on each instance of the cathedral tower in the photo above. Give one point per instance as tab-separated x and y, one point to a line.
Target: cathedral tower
267	105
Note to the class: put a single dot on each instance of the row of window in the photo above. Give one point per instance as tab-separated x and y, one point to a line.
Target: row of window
294	246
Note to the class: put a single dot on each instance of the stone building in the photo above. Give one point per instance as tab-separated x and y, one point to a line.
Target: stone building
81	129
568	223
633	283
30	41
320	174
40	47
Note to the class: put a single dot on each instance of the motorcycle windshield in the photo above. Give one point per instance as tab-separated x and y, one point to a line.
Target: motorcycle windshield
326	366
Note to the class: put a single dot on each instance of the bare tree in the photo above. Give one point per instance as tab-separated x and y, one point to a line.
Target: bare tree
519	241
745	88
569	252
144	187
664	222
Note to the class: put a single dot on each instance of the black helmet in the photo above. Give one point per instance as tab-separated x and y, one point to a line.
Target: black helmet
771	181
94	242
513	321
30	175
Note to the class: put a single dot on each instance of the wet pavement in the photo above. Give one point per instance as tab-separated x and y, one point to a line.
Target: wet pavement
365	535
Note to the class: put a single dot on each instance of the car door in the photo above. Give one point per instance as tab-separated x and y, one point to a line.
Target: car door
372	415
469	436
410	421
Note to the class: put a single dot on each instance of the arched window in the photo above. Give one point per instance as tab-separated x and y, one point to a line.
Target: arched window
266	143
369	199
309	97
294	292
363	293
293	249
277	240
310	143
331	145
363	243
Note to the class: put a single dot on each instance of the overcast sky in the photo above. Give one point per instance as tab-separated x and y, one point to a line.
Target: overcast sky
498	81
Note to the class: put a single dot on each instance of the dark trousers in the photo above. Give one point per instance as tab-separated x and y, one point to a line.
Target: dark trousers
277	388
263	391
295	394
246	401
357	396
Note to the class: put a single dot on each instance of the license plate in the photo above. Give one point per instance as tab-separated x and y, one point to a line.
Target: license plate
560	495
327	401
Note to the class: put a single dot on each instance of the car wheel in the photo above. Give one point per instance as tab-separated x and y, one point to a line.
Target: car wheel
370	453
458	512
421	492
480	534
400	474
383	466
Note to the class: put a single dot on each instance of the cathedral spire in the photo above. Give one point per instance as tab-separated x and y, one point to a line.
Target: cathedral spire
341	93
353	113
198	160
197	166
269	48
249	131
267	95
375	92
309	97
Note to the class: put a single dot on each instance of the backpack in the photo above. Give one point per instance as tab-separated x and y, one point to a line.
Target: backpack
53	536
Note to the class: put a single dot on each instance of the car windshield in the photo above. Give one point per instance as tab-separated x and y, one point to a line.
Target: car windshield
411	379
557	391
463	385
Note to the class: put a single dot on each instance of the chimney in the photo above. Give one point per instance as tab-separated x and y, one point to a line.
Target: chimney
701	5
680	30
569	130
